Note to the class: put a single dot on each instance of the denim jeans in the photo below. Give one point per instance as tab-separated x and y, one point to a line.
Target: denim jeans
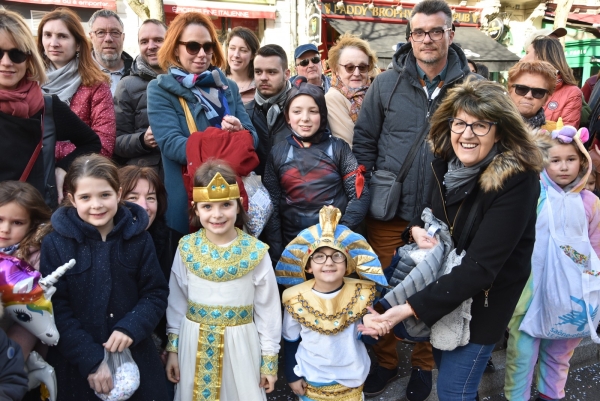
460	371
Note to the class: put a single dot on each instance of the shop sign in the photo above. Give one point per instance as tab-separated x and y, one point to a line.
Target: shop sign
390	12
270	2
495	29
222	12
105	4
313	14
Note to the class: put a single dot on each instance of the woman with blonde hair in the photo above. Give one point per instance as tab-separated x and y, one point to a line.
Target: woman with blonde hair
353	64
567	99
75	77
32	123
241	46
191	55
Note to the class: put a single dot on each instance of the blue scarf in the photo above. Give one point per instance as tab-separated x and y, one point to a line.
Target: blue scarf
10	250
209	87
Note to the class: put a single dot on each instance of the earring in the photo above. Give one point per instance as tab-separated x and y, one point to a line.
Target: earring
77	54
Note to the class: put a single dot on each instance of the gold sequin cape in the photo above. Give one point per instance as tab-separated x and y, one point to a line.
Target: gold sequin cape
329	316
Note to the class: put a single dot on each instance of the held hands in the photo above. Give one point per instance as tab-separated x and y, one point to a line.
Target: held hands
268	382
298	387
117	342
231	123
149	139
373	325
101	381
173	368
421	238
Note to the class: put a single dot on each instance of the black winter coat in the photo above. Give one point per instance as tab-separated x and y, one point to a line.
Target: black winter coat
131	113
267	138
498	250
116	284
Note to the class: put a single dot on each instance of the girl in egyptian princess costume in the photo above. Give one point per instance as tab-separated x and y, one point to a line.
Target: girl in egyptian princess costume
224	313
325	358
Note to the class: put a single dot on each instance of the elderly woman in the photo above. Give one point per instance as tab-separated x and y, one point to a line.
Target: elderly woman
567	99
530	84
352	61
486	160
25	116
242	45
191	54
75	77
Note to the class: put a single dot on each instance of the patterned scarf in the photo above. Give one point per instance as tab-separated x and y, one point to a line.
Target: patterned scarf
10	250
209	87
24	101
355	95
536	121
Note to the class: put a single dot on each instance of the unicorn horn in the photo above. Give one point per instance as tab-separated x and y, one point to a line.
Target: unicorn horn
52	278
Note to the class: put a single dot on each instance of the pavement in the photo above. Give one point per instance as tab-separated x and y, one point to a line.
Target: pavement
583	383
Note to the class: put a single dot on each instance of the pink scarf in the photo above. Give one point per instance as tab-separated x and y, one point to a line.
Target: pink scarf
355	96
24	101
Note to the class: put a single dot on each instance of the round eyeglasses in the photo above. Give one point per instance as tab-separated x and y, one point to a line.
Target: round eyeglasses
479	128
320	258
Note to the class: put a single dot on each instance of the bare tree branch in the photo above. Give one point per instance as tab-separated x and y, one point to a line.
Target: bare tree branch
140	9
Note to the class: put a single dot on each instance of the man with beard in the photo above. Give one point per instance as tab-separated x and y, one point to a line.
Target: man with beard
395	116
271	74
106	33
135	142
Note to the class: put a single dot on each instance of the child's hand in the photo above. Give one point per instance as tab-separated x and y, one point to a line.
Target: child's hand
117	342
173	368
101	381
373	325
268	382
298	387
421	238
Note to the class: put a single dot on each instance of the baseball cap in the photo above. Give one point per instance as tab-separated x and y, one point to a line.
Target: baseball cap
300	50
556	33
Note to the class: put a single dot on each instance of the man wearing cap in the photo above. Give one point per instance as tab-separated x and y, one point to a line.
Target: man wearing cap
308	64
394	120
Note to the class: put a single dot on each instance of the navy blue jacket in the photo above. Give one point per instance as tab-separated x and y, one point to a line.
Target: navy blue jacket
116	284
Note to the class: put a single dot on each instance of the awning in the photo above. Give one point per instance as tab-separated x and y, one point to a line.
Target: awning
383	38
218	9
105	4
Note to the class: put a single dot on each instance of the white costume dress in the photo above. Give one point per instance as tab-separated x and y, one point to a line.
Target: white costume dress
223	318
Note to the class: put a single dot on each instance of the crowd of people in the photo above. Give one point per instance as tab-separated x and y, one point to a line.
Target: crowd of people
423	203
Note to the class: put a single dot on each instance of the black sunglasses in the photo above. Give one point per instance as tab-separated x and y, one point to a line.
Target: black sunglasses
350	68
15	55
304	63
193	48
523	90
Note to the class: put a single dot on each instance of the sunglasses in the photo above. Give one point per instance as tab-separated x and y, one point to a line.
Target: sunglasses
15	55
193	48
350	68
523	90
314	60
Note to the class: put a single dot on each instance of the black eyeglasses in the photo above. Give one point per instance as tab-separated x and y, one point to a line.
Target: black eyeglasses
523	90
15	55
479	128
350	68
193	48
113	34
434	34
320	258
314	60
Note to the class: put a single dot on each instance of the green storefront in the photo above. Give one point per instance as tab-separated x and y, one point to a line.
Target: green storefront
583	56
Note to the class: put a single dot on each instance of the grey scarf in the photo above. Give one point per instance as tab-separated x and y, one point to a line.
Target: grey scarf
63	82
144	68
537	120
459	175
276	103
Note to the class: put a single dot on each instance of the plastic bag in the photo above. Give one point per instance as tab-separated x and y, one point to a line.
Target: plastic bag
125	375
260	207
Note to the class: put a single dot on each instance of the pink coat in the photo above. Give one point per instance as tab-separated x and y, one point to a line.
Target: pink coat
94	106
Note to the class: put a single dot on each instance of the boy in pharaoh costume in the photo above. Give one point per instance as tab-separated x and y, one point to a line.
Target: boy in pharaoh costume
325	358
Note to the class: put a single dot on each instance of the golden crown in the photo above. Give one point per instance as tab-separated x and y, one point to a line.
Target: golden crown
218	190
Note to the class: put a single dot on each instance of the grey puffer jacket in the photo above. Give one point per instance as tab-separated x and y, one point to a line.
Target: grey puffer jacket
131	111
394	112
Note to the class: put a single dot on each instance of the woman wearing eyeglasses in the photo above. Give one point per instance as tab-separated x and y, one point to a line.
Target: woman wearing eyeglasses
530	84
192	56
353	64
75	78
487	162
566	101
25	115
242	45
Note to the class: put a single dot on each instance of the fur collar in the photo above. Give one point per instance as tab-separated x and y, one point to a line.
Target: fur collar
502	167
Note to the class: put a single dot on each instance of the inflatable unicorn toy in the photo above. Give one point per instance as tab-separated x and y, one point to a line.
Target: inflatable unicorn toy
26	296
